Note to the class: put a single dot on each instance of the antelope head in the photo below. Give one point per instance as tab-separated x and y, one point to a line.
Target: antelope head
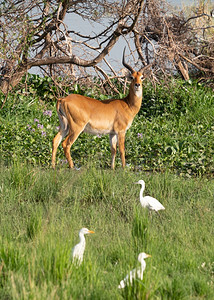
136	77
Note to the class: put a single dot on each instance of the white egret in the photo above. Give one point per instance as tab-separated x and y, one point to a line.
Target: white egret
135	273
147	201
78	250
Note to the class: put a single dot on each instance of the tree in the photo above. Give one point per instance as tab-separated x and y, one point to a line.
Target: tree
34	33
183	39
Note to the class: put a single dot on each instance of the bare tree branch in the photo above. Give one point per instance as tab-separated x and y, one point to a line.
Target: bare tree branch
35	33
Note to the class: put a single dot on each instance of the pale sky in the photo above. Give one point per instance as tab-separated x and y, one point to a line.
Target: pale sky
76	23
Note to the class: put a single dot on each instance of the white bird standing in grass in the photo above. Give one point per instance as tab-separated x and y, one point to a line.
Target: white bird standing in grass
147	201
78	250
135	273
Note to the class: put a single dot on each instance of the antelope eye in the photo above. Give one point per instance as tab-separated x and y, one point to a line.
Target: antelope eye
141	77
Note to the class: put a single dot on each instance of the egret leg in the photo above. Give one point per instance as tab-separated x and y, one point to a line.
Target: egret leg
159	216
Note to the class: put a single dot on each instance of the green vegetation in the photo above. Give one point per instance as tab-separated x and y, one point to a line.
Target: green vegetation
42	210
174	129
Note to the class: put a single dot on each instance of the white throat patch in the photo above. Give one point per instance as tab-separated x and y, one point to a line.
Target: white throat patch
138	93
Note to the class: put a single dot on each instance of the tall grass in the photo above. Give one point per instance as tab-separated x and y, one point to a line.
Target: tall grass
42	212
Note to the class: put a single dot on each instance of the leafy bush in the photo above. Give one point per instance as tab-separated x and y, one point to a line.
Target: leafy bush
174	128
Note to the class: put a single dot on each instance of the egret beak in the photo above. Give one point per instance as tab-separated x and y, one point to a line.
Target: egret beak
136	182
90	231
148	255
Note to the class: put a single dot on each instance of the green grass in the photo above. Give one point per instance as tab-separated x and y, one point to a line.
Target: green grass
43	210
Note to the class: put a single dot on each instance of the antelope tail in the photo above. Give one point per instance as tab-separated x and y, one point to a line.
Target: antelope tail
62	116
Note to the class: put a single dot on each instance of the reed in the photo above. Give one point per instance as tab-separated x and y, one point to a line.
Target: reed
43	210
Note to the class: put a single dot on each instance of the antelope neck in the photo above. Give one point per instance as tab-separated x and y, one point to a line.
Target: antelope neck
134	102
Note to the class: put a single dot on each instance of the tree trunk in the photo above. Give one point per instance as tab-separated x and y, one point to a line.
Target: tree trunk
8	80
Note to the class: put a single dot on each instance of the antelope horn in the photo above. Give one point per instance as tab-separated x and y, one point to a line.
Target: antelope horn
125	64
145	68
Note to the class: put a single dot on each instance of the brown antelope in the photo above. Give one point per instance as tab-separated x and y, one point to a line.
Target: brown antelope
79	113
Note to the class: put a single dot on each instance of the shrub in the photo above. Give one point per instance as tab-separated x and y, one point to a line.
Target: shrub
174	128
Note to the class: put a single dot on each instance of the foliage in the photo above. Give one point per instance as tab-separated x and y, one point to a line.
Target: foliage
173	41
173	130
43	210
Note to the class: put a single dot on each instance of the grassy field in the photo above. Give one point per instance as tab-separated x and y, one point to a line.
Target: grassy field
169	145
42	211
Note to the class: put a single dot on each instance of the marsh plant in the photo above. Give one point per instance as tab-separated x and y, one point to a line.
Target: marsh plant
38	230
